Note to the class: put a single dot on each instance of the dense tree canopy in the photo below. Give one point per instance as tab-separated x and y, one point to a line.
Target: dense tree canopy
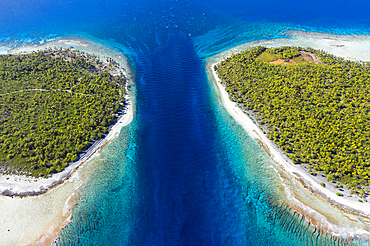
53	105
318	114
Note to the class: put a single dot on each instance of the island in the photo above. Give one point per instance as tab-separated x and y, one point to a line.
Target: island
56	107
35	209
310	111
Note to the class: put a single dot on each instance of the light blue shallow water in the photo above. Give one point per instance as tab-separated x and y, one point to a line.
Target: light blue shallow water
183	172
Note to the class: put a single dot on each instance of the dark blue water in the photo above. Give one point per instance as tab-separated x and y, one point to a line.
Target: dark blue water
183	172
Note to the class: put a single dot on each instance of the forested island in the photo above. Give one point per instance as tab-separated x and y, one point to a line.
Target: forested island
53	105
314	106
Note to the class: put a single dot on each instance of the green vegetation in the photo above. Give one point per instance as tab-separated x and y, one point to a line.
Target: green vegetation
53	105
299	60
322	184
285	53
268	57
339	194
318	114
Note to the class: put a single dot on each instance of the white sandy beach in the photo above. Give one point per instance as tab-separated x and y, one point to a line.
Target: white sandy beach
37	220
354	48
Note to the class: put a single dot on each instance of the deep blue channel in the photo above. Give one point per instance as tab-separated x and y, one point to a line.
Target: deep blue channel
182	195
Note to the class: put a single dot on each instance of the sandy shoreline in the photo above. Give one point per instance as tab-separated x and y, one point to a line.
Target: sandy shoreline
298	172
37	218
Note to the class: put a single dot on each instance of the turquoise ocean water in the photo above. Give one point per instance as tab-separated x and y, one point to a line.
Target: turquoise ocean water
183	172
